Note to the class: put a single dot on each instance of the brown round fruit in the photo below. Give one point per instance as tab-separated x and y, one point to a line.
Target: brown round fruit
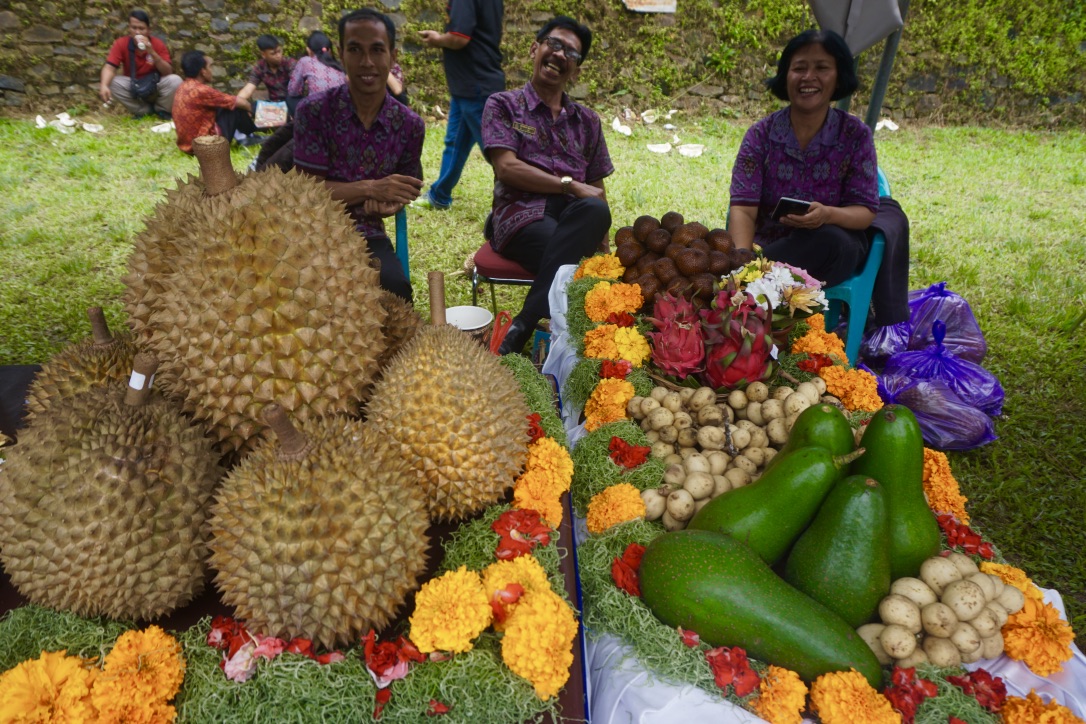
629	253
631	274
650	287
623	235
700	244
692	261
678	286
719	263
665	270
644	264
658	241
671	220
720	240
643	226
704	285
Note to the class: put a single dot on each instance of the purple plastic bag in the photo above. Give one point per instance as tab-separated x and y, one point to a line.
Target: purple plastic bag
975	385
881	343
946	422
963	335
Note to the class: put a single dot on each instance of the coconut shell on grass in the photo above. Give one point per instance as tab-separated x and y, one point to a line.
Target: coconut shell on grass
254	301
103	503
320	533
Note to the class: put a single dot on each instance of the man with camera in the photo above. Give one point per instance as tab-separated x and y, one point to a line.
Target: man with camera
137	72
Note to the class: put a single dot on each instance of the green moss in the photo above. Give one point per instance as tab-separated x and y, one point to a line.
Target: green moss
593	469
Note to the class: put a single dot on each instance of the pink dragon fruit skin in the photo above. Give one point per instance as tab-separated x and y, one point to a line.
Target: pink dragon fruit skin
737	342
678	347
670	308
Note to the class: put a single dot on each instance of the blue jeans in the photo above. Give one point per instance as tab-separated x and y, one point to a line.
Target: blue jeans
464	130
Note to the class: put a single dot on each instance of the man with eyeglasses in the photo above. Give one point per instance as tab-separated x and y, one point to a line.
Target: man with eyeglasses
550	159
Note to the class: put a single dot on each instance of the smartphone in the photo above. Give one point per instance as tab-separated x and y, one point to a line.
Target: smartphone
788	206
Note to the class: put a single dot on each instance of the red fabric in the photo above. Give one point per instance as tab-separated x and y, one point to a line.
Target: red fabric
194	108
118	56
495	266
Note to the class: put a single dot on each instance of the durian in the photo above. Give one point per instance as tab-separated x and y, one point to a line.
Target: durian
103	503
258	301
402	323
448	405
79	367
321	535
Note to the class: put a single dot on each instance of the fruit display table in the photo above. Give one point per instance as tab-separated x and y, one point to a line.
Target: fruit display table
621	688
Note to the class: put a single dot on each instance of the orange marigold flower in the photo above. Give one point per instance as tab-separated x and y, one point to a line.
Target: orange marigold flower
601	266
549	456
1033	710
524	571
450	612
817	321
613	505
944	495
857	389
538	641
53	687
1038	637
782	697
843	697
535	491
599	343
607	402
818	341
1013	577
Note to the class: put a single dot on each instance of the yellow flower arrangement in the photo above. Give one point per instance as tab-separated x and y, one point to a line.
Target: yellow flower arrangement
606	299
607	402
533	492
52	688
613	505
599	343
601	266
140	675
1038	637
450	612
845	696
547	456
538	641
819	341
1033	710
523	570
1013	577
632	346
817	321
857	389
782	697
944	495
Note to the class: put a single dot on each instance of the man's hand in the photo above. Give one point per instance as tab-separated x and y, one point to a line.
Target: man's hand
430	38
587	191
105	93
380	208
395	189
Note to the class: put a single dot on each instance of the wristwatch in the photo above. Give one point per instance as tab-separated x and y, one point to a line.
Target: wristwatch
567	181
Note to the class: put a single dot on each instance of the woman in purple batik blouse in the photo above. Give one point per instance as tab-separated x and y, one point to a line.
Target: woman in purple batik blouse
812	152
316	72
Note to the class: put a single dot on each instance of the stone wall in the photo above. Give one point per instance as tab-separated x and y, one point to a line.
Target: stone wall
51	54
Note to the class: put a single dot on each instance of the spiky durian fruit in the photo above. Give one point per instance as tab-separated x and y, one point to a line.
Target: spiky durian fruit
100	359
401	324
321	535
257	301
103	504
458	415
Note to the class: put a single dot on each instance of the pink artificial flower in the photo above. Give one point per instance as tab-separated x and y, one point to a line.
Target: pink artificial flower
241	665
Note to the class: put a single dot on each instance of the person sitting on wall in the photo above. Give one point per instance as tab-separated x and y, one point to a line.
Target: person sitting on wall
364	144
146	55
273	70
200	110
550	158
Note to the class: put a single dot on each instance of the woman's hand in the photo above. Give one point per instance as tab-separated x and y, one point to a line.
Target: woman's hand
847	217
816	216
372	207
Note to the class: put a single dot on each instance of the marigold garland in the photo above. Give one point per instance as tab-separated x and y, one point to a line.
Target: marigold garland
941	487
547	456
606	299
857	389
599	343
819	341
632	346
525	571
1033	710
1038	637
538	641
1013	577
613	505
534	491
843	697
782	697
607	402
817	322
450	612
601	266
52	688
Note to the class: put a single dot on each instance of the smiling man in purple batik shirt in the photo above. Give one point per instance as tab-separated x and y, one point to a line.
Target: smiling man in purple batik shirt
550	159
366	145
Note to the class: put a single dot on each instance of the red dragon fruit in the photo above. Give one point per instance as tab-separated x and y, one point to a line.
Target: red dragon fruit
737	341
677	345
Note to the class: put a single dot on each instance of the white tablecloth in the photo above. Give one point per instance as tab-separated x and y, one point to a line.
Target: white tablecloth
620	690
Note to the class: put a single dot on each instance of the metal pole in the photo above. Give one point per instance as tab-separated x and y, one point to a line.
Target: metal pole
882	80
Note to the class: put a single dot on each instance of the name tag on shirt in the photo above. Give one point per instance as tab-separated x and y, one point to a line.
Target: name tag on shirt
523	128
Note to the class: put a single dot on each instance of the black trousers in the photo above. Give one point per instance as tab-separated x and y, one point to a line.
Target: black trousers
393	278
570	230
234	119
829	253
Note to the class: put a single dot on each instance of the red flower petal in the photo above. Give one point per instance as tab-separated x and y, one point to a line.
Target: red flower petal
625	577
436	707
300	646
633	554
690	638
535	426
383	695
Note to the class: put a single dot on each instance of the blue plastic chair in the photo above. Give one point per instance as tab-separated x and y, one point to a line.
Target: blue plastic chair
856	292
401	241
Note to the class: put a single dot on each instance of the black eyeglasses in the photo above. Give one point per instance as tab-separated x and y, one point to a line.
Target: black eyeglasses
558	46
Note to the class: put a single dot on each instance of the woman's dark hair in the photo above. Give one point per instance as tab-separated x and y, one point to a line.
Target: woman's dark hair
567	23
140	15
267	42
193	62
835	45
369	15
321	45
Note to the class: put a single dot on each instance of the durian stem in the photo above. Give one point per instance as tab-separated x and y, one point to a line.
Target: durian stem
143	375
99	328
213	153
293	445
436	281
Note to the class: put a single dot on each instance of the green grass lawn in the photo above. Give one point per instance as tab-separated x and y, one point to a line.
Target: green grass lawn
997	214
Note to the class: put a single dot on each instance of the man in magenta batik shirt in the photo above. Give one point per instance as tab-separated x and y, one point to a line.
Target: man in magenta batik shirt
366	145
550	159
